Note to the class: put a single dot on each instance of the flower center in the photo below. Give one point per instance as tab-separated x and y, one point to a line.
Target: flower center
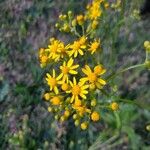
44	59
52	82
65	70
76	45
94	45
98	69
55	100
64	86
92	77
76	90
54	48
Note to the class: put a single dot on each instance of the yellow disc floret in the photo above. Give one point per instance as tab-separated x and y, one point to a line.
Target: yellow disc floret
95	116
114	106
84	125
55	100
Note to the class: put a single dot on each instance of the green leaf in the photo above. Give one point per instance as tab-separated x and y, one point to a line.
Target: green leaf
4	89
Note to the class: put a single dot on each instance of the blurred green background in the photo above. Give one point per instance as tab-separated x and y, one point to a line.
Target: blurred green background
27	25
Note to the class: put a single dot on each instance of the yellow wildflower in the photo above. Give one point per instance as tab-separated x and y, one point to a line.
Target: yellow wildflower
50	109
94	24
84	125
56	100
47	96
147	46
43	57
94	46
95	116
99	70
67	113
52	81
77	47
80	19
77	90
76	122
68	68
62	118
77	102
53	49
114	106
93	77
93	102
62	50
94	10
65	86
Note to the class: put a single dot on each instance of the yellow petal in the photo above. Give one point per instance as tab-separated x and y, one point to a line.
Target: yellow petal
88	68
74	81
101	81
59	77
70	62
74	67
83	80
83	96
72	99
75	54
56	90
73	72
84	87
80	52
53	73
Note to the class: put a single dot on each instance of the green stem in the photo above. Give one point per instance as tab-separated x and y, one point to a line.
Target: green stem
124	70
141	105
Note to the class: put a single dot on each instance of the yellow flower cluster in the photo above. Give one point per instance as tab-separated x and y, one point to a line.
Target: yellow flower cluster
73	79
68	22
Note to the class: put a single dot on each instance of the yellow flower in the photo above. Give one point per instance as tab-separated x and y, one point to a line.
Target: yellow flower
114	106
77	102
65	86
94	46
81	109
93	102
53	49
95	116
94	24
43	57
52	81
77	90
80	19
92	77
56	100
94	10
68	68
82	40
67	113
50	109
84	125
62	118
47	96
76	122
77	47
99	70
147	46
62	50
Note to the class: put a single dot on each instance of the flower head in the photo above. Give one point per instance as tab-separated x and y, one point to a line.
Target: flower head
93	77
94	46
68	68
95	116
77	90
52	81
77	47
